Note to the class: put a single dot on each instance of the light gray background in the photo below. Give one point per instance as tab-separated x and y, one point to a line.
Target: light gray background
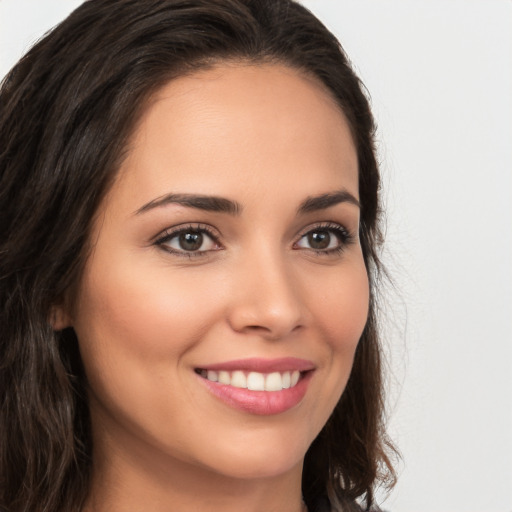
440	76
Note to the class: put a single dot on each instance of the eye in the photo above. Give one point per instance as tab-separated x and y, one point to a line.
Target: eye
325	239
188	241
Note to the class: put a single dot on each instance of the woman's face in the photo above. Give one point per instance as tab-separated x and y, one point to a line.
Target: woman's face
225	255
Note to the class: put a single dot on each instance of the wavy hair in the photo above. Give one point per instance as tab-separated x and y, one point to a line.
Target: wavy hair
66	111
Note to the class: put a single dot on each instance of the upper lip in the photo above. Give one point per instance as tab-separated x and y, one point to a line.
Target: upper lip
260	365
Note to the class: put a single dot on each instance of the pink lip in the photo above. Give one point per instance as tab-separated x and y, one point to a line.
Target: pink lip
284	364
261	402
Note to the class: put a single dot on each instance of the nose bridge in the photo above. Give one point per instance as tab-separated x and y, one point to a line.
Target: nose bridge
268	299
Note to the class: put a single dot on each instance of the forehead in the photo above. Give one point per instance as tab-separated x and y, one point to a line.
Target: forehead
258	125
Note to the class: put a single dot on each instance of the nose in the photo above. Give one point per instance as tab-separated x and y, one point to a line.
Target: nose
266	300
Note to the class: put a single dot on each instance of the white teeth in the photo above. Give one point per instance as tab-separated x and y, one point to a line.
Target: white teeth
273	382
254	381
238	380
224	377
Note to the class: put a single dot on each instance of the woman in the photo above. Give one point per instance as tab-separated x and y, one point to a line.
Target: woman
189	254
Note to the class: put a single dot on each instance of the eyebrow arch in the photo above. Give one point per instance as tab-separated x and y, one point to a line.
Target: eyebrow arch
201	202
323	201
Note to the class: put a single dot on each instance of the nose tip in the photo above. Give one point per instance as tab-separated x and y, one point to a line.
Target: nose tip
272	326
267	305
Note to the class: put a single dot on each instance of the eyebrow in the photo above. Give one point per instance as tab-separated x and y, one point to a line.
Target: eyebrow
324	201
200	202
223	205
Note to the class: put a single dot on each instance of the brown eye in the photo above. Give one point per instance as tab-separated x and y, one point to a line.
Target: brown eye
189	241
319	239
324	239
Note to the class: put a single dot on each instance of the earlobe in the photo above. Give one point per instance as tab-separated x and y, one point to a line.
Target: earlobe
59	318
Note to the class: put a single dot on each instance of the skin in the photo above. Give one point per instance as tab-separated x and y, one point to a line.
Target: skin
268	138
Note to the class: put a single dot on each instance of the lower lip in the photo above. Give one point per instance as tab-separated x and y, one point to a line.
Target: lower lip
264	403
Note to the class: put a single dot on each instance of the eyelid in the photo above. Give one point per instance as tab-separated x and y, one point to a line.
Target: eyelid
186	226
345	236
325	225
170	233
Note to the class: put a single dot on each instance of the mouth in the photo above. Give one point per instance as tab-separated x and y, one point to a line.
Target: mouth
253	381
259	386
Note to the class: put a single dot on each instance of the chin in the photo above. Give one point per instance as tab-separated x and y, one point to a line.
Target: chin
257	458
258	467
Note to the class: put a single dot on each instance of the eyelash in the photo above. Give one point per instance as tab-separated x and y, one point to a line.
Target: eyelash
169	234
343	236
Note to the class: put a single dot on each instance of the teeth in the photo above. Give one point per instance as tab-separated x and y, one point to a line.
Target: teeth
224	378
274	382
254	381
238	380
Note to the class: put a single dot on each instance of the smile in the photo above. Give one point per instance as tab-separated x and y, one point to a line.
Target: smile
254	381
259	386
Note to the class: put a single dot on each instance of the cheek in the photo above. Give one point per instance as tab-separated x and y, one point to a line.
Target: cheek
134	329
137	324
342	310
142	312
340	313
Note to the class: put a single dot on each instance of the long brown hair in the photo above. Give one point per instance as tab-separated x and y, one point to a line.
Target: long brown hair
66	111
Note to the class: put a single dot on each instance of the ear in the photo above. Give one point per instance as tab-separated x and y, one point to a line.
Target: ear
59	318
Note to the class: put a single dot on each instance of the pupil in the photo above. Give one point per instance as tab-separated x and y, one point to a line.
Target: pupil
319	239
191	241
